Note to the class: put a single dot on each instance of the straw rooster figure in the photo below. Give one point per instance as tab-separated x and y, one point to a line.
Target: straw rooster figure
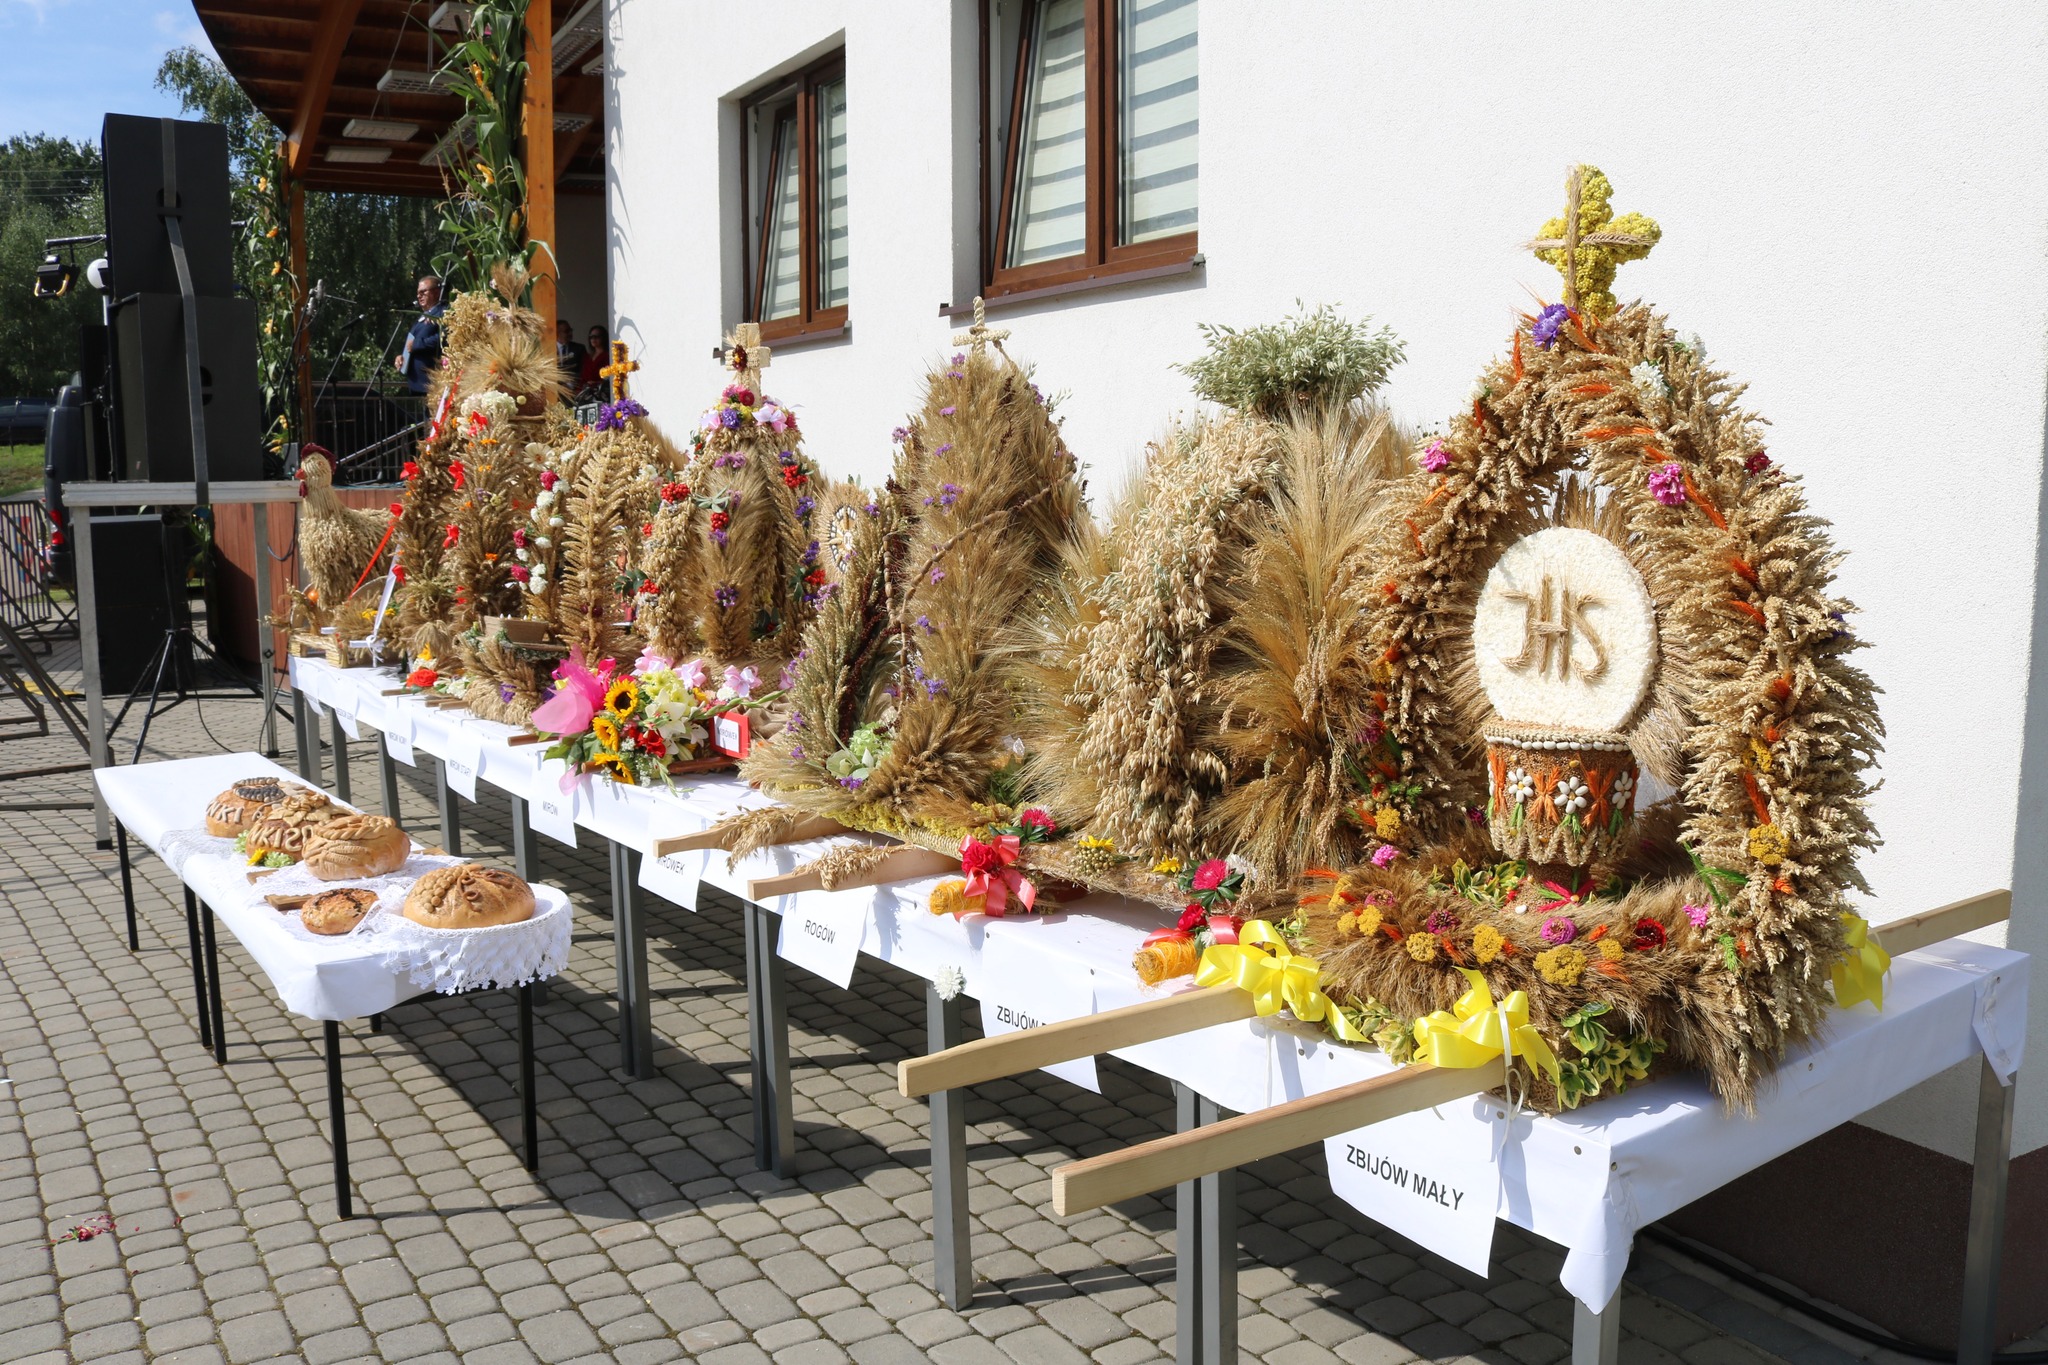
342	545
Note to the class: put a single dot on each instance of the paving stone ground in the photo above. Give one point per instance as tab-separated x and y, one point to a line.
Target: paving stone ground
647	1235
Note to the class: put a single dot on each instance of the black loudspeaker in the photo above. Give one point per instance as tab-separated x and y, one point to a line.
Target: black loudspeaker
138	570
156	426
139	159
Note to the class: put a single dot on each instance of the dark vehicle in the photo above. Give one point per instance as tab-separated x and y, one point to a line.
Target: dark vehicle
22	419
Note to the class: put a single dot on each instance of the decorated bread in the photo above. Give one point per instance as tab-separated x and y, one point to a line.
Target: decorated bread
468	897
282	831
248	801
355	846
337	911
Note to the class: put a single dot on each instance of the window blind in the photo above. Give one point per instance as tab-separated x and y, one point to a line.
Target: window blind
832	194
1052	187
1157	118
782	295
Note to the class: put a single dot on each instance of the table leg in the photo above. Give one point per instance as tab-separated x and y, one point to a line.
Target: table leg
529	1100
305	737
451	815
1986	1244
952	1246
199	1004
629	938
266	637
220	1031
1596	1337
387	778
1205	1246
768	1039
526	862
337	739
337	1120
376	1023
127	885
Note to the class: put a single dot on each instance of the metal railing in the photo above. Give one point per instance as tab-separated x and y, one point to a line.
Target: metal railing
26	577
371	434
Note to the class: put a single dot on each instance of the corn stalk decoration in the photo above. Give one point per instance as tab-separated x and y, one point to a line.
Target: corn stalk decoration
265	207
483	168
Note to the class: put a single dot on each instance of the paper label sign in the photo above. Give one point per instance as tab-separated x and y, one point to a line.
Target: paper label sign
675	877
465	756
344	702
823	937
550	810
1026	995
398	730
1431	1176
732	734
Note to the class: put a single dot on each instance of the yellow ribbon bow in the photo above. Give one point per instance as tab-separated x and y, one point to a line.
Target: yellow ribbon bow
1475	1031
1859	972
1260	963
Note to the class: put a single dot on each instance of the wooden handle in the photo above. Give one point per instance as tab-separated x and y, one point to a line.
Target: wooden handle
902	865
1932	926
684	843
1012	1054
1114	1176
527	738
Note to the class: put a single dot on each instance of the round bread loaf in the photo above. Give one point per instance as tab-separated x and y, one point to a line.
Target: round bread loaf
287	824
243	804
468	897
355	846
337	911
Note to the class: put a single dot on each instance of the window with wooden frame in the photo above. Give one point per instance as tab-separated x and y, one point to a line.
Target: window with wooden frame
793	184
1088	141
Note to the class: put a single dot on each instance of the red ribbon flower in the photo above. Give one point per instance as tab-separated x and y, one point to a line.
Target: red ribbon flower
992	874
397	509
454	534
1223	928
410	471
456	472
1191	918
421	677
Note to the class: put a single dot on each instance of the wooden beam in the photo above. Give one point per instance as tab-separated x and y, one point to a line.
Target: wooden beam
1012	1054
539	102
1932	926
903	864
810	827
337	20
1114	1176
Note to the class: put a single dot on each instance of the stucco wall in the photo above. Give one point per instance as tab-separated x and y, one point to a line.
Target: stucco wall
1855	218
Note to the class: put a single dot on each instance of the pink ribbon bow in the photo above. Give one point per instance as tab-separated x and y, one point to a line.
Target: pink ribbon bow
991	873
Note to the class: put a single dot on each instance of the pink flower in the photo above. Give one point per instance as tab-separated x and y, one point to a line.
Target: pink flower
742	681
548	479
1210	875
1667	484
519	573
1384	855
1435	459
693	673
568	712
651	662
1036	818
1698	915
1558	929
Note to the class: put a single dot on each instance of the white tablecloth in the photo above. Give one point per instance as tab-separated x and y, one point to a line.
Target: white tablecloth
1588	1180
345	977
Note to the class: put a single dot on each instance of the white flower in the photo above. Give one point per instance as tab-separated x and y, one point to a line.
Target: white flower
949	982
521	554
1572	794
1521	786
544	543
1624	790
1649	379
1014	745
554	521
544	498
1239	865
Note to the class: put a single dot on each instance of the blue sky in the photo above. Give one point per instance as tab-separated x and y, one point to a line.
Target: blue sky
68	62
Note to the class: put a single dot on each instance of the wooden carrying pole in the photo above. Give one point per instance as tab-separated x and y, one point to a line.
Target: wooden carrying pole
905	863
1012	1054
1116	1176
810	827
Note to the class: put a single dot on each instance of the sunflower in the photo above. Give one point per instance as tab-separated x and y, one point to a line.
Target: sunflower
606	729
623	699
613	766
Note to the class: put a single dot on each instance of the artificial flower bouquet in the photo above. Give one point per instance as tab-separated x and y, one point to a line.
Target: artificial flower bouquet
644	724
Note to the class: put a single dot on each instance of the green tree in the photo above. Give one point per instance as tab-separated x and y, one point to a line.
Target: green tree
49	187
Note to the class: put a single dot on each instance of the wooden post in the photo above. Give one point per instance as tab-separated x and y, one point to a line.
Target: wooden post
295	195
810	827
903	864
539	132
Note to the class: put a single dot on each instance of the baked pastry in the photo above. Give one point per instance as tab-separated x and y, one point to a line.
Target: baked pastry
337	911
467	896
248	801
283	829
355	846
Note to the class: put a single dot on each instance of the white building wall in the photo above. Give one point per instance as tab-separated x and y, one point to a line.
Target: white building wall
1855	212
